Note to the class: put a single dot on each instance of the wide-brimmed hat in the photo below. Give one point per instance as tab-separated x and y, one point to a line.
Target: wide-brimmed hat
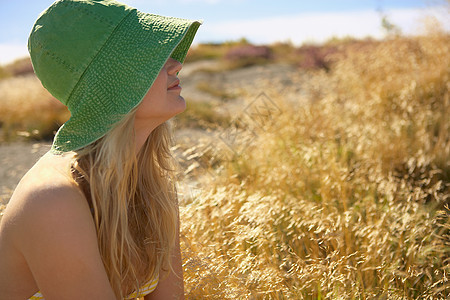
100	58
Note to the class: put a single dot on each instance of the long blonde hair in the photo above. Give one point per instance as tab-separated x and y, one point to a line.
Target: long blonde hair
134	202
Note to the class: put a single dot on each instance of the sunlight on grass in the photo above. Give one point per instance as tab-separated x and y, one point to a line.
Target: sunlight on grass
342	192
27	109
343	197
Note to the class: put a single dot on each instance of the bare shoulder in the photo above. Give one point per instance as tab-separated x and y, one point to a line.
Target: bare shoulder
48	221
45	197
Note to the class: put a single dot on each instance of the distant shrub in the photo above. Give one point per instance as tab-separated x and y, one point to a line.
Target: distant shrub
207	51
249	51
315	57
284	52
204	52
248	55
21	66
241	53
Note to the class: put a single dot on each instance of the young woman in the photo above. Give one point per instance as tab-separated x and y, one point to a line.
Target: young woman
97	216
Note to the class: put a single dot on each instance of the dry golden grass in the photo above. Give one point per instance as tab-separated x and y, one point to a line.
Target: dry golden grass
344	195
27	109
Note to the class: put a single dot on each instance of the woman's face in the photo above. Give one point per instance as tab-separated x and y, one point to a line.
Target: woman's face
163	100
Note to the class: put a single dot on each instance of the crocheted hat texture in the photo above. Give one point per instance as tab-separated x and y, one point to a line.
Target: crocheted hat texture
100	58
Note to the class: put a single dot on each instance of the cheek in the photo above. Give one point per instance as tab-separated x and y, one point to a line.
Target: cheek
154	96
159	87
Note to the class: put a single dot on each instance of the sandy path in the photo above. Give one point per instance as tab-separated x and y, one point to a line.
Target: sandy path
15	160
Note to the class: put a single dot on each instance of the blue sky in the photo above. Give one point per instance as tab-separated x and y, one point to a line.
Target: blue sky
260	21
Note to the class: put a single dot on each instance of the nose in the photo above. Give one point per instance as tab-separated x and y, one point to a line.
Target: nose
173	66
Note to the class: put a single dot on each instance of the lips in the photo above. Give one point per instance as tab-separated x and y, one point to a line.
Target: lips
174	84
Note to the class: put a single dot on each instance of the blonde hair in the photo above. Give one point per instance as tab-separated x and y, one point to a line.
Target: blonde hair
134	202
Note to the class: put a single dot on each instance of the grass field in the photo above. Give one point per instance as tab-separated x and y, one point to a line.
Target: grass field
341	193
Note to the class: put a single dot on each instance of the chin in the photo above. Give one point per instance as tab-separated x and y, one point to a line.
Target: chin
181	105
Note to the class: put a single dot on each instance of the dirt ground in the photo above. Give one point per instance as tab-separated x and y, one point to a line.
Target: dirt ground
17	158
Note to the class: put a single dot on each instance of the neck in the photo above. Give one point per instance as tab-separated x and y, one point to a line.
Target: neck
142	130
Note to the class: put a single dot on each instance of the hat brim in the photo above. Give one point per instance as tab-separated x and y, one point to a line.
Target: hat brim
121	74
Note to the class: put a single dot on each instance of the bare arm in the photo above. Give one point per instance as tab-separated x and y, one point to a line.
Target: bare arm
172	287
55	233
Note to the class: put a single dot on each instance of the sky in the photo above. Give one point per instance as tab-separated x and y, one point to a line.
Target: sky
259	21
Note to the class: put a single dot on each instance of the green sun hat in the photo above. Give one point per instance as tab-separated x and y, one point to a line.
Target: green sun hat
100	58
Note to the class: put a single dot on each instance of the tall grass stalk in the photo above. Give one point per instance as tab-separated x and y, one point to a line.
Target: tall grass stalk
344	196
